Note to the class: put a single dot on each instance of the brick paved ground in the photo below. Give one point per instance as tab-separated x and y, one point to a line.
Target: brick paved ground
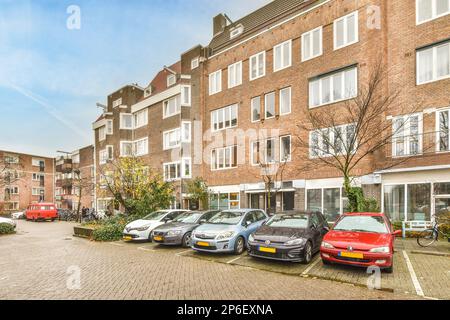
34	264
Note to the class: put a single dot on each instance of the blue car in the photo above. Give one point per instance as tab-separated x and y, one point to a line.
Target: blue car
227	231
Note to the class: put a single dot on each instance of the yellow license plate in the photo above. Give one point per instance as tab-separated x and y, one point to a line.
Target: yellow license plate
265	249
127	238
203	244
351	255
158	238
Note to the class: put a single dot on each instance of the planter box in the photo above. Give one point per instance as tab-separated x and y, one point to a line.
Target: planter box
83	232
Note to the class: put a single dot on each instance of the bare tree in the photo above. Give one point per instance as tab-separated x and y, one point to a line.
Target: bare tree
11	171
342	138
82	185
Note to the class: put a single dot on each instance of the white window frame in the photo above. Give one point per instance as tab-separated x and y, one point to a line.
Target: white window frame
345	18
102	133
283	64
274	105
171	80
434	14
109	127
438	130
195	63
234	77
224	151
257	57
177	165
136	115
184	161
103	156
251	109
311	44
320	141
224	110
166	139
215	82
407	135
252	159
274	147
122	122
289	89
135	147
185	98
433	48
331	75
183	131
117	103
122	154
177	102
289	159
236	31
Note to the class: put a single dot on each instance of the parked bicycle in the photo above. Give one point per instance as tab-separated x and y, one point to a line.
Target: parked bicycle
429	236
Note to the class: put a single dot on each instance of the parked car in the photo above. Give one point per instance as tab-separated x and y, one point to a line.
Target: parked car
178	232
41	211
18	215
8	221
290	236
360	239
140	230
227	231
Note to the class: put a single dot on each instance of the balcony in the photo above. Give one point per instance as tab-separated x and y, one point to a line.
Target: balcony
65	167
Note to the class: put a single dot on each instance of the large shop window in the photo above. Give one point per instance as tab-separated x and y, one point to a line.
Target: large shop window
329	201
224	201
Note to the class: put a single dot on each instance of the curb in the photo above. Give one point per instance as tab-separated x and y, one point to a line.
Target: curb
431	253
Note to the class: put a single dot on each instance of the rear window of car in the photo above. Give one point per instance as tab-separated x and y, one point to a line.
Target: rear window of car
289	221
373	224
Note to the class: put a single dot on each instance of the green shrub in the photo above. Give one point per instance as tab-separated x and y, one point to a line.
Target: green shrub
6	228
110	229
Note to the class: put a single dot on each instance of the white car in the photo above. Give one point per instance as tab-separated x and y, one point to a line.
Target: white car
141	229
18	215
8	221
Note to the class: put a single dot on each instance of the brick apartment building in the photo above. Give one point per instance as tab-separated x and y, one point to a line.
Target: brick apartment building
75	179
264	72
25	179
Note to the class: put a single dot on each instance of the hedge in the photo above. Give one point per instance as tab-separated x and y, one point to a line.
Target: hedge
6	228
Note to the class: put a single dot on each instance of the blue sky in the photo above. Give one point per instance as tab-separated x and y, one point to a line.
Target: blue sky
51	77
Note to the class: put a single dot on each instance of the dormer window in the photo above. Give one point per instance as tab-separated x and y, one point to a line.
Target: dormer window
236	31
171	80
148	92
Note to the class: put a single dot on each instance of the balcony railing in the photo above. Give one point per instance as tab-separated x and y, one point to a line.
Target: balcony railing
418	144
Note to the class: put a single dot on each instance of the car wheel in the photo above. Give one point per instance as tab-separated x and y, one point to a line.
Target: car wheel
239	246
307	253
389	269
186	241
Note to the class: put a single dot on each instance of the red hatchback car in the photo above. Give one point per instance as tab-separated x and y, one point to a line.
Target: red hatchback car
41	211
360	239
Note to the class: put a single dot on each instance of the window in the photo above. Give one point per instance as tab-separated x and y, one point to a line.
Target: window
235	74
285	148
126	148
186	96
101	133
185	131
37	176
76	158
346	30
171	80
433	63
256	153
282	56
442	127
236	31
11	159
109	127
11	190
224	158
195	63
186	167
329	201
330	141
407	135
37	162
140	147
171	139
269	105
270	150
331	88
224	118
215	82
285	101
126	121
117	103
37	191
172	107
140	118
106	154
312	44
258	65
172	171
427	10
256	109
224	201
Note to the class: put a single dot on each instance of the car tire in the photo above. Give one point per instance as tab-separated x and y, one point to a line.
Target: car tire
389	269
186	241
307	253
239	246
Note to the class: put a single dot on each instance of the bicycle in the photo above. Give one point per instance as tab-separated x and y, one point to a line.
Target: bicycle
429	236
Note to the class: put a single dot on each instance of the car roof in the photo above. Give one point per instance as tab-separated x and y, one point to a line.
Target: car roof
241	210
369	214
292	212
42	204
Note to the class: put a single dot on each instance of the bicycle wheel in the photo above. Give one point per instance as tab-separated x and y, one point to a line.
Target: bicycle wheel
427	237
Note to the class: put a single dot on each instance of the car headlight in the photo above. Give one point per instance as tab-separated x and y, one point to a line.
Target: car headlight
295	242
326	245
225	235
173	232
251	238
142	228
381	249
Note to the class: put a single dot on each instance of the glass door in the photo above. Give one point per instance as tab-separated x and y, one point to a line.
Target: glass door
441	206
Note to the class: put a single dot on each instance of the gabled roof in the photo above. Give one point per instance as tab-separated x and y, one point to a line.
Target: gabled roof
159	82
257	19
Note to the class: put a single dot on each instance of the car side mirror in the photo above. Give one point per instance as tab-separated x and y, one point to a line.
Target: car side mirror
314	226
247	223
397	233
326	228
202	221
167	220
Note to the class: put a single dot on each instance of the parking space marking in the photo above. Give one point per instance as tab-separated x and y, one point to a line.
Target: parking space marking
414	279
233	260
182	252
116	244
146	249
312	265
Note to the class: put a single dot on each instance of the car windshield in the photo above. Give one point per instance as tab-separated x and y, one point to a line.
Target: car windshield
374	224
188	217
289	221
155	215
227	217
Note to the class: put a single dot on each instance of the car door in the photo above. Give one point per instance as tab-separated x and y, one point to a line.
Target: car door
316	228
248	224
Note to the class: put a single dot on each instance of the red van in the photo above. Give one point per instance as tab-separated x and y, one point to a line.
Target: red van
41	211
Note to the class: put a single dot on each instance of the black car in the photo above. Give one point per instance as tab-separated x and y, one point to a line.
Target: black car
289	236
178	232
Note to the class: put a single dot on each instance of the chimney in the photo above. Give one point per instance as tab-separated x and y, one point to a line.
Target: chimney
219	24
